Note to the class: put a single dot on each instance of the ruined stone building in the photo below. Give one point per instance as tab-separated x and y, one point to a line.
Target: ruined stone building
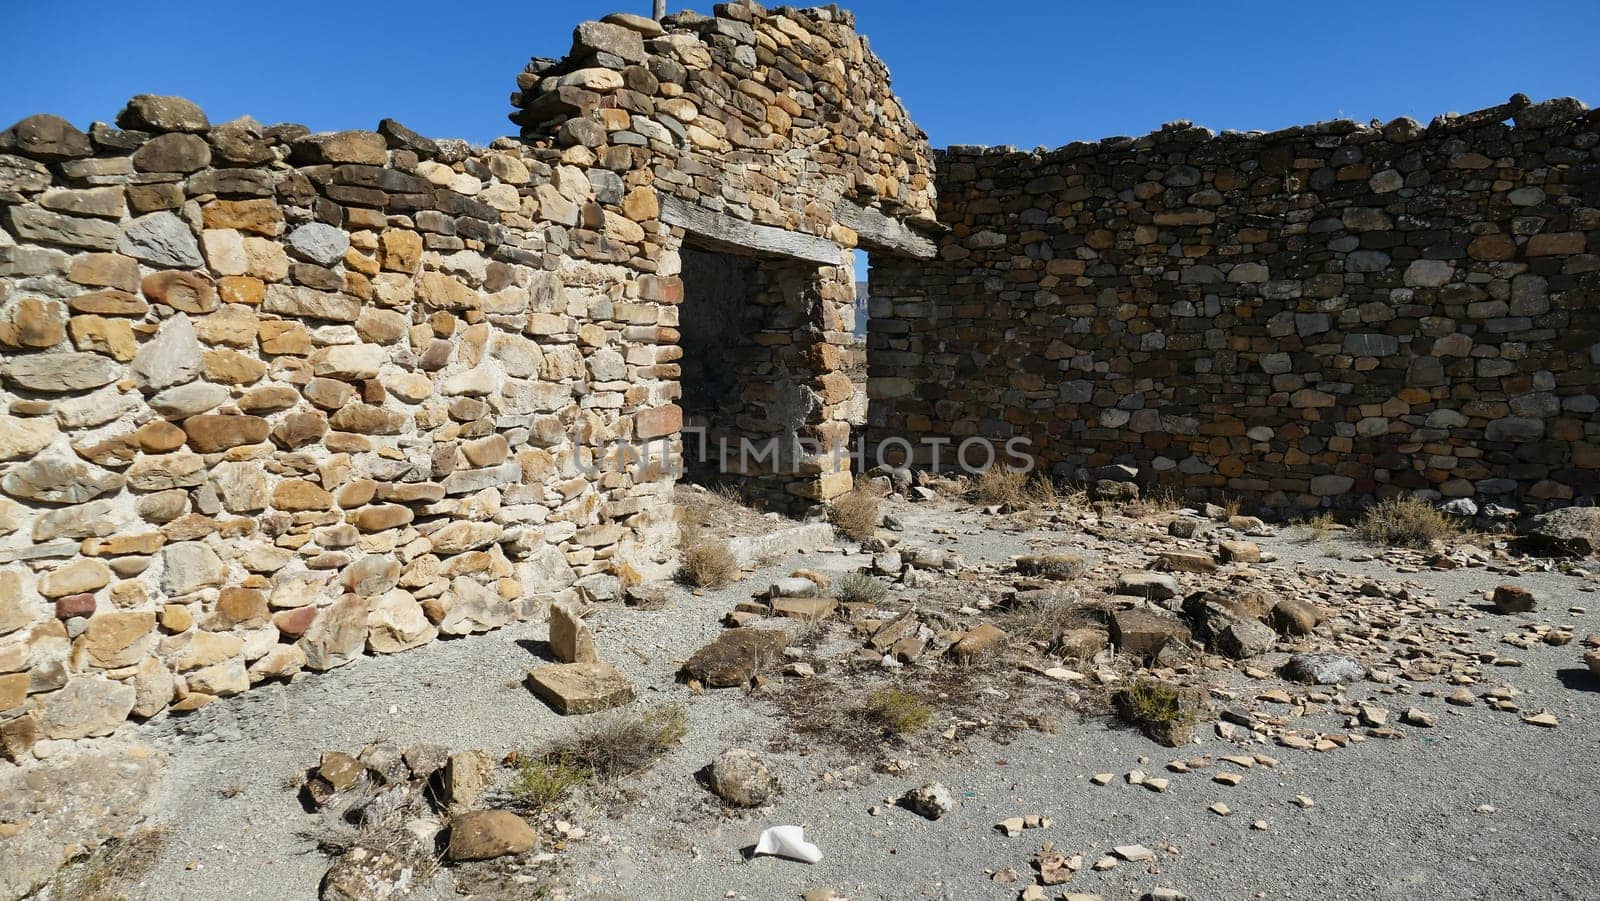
275	399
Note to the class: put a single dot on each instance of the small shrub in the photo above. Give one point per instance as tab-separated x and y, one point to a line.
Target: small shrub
855	514
859	588
998	486
899	712
623	743
1046	620
1406	522
544	782
1002	486
707	562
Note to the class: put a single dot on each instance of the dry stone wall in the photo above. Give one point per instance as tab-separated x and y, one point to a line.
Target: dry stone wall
274	399
1305	318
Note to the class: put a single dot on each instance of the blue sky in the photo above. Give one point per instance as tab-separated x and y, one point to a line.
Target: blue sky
1027	73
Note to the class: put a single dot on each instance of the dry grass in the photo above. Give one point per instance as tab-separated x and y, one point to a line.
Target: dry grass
859	588
1406	522
898	712
1044	621
998	485
1316	529
1162	499
602	751
1015	490
707	562
111	870
856	513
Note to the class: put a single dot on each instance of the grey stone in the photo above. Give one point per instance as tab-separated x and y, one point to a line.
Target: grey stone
173	357
1324	669
1569	532
35	224
158	113
61	372
57	479
319	242
190	566
161	240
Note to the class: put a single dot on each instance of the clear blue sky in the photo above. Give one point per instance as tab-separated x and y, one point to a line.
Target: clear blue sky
1026	73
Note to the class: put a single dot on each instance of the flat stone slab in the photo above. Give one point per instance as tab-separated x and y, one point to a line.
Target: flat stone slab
574	688
804	608
748	550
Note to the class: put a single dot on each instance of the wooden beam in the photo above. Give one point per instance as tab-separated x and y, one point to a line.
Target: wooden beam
741	235
877	231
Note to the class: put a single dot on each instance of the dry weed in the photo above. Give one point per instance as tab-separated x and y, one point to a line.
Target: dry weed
1015	490
707	562
112	869
1406	522
621	744
1316	529
856	513
859	588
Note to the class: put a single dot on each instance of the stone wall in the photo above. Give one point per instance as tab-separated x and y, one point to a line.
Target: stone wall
275	399
1304	318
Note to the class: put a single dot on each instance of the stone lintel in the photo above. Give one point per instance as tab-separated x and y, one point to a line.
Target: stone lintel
763	239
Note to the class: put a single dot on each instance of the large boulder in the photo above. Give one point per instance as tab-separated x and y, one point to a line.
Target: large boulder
1569	532
1143	632
69	805
736	656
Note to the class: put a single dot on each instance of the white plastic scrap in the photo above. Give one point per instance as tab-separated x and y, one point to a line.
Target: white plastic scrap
790	842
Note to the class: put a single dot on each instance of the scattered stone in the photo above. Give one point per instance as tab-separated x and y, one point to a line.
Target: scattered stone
1513	599
1324	669
931	801
736	656
487	834
742	779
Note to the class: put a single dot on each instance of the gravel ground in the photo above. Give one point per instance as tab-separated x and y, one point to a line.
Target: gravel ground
1392	819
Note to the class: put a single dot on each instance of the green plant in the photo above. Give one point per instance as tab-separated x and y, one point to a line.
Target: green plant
1405	522
899	712
859	588
544	782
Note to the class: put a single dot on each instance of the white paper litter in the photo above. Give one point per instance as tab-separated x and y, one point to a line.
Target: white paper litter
790	842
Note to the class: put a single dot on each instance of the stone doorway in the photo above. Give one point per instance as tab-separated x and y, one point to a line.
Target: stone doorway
765	399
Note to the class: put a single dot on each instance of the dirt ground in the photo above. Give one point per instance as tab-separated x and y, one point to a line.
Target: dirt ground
1481	804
